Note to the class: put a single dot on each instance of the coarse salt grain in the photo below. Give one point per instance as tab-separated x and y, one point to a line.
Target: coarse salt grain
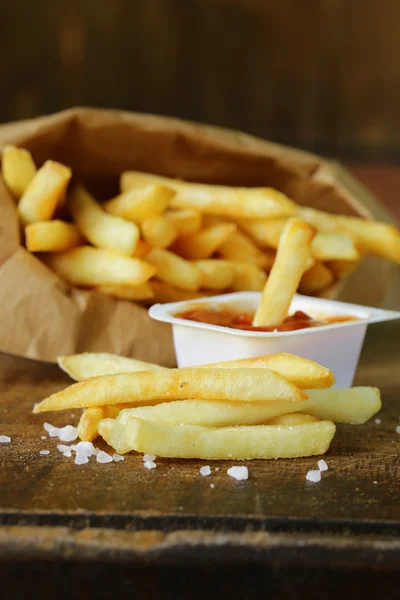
65	434
378	421
314	476
239	473
44	452
4	439
66	450
117	457
212	485
149	457
397	429
217	468
103	457
149	464
322	466
205	471
43	437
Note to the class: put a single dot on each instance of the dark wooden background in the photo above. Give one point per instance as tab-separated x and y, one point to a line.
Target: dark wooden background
319	74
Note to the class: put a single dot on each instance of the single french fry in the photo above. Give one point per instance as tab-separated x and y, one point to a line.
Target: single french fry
239	247
17	169
304	373
158	231
315	279
137	205
237	202
52	236
87	426
248	277
223	443
203	244
100	228
186	221
174	270
284	279
164	292
215	274
142	248
247	385
265	233
128	292
92	364
90	267
40	198
352	405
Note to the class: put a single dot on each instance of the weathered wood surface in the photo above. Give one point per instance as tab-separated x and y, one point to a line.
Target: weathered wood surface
52	490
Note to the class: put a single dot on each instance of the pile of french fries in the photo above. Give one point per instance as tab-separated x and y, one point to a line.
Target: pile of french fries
165	240
274	406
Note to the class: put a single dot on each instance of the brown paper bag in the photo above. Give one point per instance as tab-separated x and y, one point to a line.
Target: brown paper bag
41	317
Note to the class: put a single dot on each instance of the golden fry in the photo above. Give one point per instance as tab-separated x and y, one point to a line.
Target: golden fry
17	169
174	270
203	244
90	267
223	443
40	198
52	236
137	205
215	274
158	231
186	221
239	247
248	277
164	292
247	385
139	292
316	279
291	260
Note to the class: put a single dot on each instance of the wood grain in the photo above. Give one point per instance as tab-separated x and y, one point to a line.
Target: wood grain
51	489
321	74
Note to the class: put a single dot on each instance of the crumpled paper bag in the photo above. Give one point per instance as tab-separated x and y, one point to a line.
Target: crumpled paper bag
41	317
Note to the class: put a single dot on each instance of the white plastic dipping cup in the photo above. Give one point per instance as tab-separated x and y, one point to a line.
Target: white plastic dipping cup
336	346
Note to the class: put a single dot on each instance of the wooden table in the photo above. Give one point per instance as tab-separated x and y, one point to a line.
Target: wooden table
168	529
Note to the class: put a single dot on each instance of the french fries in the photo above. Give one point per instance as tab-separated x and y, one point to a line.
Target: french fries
52	236
239	247
91	267
158	231
304	373
41	196
186	221
248	278
174	270
205	243
215	274
315	279
137	205
98	227
257	203
291	259
248	385
224	443
18	169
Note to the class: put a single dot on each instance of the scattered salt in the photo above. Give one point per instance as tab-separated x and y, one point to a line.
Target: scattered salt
239	473
117	457
44	452
103	457
397	429
205	471
149	457
322	466
212	485
43	437
4	439
314	476
217	468
378	421
375	482
66	450
149	464
65	434
80	459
